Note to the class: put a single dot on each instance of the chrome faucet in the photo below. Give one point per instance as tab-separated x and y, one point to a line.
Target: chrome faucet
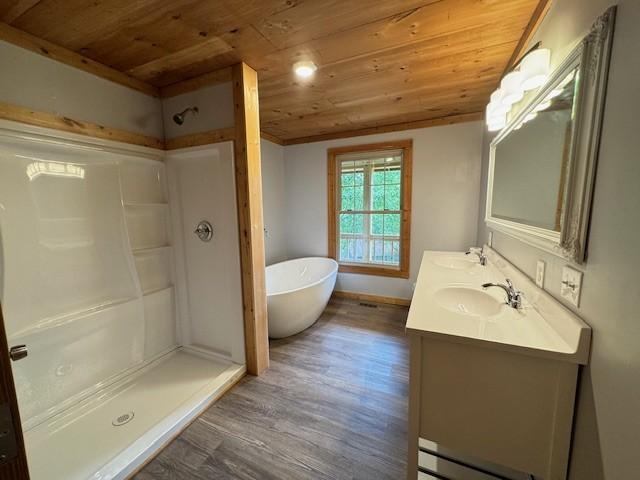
514	297
481	256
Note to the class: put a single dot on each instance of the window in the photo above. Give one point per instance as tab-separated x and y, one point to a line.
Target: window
370	208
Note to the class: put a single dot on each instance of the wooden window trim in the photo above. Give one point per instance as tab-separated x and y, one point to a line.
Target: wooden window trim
405	207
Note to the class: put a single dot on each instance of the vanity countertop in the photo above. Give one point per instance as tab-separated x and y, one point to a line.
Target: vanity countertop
450	304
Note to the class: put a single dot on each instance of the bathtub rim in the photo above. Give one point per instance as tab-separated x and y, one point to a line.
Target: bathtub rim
334	271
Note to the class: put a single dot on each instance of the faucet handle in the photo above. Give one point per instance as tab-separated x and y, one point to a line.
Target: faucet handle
513	288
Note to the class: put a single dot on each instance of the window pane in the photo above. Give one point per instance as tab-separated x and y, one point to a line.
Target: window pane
377	220
358	224
377	178
344	249
348	198
389	256
377	197
392	224
358	201
358	250
392	197
392	176
352	198
347	170
353	250
376	251
359	178
346	223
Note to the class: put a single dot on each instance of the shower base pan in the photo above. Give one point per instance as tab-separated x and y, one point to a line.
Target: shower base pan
114	433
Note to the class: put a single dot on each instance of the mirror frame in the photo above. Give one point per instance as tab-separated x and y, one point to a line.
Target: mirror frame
591	59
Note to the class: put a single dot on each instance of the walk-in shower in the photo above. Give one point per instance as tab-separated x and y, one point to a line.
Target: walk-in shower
131	323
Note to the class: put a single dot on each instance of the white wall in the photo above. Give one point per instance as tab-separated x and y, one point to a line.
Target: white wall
37	82
606	440
202	187
215	105
446	178
274	202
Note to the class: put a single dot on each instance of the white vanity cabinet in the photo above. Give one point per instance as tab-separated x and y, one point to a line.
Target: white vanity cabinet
486	380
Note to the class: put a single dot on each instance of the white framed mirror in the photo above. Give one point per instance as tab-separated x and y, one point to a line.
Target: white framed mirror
542	164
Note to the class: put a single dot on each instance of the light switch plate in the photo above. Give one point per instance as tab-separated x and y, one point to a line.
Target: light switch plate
540	274
490	239
571	285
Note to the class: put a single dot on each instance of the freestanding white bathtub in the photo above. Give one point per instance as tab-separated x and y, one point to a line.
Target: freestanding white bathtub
297	293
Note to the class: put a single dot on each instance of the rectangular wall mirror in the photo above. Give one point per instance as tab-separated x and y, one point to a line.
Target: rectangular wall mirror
542	164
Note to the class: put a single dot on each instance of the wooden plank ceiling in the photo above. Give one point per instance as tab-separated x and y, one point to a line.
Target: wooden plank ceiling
381	62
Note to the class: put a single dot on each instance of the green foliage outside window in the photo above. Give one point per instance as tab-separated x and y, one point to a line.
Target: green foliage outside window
370	187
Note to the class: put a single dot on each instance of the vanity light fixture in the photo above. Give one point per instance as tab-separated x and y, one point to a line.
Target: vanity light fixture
497	106
511	87
531	72
496	116
304	69
535	68
543	105
499	125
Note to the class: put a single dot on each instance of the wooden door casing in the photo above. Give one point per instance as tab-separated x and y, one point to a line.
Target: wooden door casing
15	468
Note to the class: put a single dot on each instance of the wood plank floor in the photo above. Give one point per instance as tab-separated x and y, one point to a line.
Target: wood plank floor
333	405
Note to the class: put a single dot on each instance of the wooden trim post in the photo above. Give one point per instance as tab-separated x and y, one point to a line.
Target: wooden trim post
250	220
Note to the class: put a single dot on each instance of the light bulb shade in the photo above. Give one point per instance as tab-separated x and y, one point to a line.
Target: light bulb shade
535	68
496	103
511	87
543	106
495	112
495	120
497	124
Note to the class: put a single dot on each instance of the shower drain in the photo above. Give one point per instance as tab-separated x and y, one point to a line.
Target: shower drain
122	419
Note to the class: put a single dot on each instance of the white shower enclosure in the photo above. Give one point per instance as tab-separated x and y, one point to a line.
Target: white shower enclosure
132	323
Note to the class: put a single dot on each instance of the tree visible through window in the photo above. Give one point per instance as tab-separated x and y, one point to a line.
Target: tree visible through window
370	193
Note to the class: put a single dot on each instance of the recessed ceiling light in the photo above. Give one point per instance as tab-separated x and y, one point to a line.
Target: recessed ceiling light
304	69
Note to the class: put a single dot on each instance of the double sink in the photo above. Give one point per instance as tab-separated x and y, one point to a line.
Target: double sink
488	380
449	300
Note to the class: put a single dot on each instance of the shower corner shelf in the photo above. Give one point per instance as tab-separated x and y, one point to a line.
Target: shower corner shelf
148	250
152	291
143	205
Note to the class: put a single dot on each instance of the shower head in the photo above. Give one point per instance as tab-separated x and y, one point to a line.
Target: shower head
179	117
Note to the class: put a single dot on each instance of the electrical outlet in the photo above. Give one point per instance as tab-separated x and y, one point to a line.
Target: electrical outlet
490	239
571	285
540	274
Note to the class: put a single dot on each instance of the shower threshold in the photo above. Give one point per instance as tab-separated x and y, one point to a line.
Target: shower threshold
115	432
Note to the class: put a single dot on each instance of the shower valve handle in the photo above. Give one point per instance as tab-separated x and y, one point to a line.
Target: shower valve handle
204	231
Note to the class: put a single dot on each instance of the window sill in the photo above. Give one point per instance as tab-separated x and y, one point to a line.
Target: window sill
373	270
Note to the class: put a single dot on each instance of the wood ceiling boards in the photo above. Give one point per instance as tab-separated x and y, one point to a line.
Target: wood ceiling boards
381	63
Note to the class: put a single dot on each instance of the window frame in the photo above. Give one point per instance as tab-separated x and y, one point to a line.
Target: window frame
405	208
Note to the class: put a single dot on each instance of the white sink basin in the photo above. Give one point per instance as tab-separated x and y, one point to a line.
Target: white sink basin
455	263
449	304
467	301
